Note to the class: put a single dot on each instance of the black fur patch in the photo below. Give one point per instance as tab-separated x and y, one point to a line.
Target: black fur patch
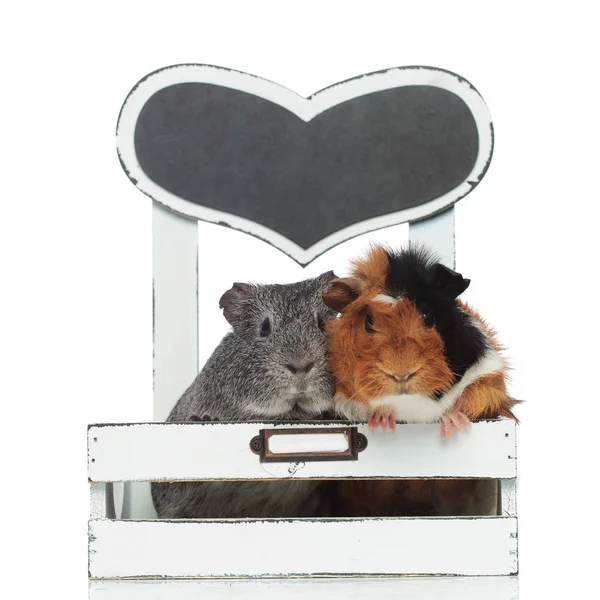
412	274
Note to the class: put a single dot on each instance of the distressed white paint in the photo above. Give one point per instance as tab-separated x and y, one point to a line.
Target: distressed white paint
175	319
508	497
481	546
436	233
175	281
301	444
208	451
364	588
306	109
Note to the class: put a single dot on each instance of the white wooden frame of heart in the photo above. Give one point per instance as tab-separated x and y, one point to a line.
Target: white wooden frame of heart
306	109
136	545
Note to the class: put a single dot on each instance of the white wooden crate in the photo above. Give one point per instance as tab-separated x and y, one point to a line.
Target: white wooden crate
298	547
144	549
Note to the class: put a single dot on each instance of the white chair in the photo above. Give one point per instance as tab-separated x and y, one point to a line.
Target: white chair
435	128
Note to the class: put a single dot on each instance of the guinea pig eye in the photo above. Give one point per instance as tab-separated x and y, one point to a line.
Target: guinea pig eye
265	328
428	319
369	323
321	323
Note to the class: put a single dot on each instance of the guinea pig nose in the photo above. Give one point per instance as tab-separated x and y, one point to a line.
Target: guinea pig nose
403	378
299	368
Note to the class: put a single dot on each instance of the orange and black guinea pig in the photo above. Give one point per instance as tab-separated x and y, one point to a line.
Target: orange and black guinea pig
405	349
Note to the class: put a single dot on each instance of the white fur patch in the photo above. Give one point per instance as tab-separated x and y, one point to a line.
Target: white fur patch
492	362
385	299
416	408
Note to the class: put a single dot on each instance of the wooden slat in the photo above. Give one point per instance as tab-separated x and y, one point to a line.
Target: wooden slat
465	546
175	451
175	307
436	233
175	326
364	588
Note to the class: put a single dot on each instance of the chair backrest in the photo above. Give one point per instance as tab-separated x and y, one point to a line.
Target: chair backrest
303	174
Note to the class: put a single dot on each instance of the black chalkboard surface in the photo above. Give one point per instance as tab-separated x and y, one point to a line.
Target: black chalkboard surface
305	174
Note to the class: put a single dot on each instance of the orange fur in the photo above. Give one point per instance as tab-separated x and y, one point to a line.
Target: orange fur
487	398
371	269
401	344
364	364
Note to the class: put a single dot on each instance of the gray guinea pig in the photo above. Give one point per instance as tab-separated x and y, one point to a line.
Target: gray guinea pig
272	367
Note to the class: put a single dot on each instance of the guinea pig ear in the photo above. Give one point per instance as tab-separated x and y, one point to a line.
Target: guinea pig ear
233	299
326	278
342	292
449	282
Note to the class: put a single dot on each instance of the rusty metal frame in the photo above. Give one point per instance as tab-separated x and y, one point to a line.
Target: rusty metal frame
357	442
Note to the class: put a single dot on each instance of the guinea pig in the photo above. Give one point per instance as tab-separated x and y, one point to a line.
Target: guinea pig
405	349
271	367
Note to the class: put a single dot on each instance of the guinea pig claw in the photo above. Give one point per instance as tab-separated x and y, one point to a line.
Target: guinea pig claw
454	420
382	419
375	421
464	419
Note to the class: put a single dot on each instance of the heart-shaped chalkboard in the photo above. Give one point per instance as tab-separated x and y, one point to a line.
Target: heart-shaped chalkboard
305	173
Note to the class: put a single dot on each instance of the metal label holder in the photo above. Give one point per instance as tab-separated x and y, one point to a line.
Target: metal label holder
260	445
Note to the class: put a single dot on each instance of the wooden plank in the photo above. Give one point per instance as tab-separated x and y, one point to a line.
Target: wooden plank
175	282
178	452
253	548
437	233
364	588
175	327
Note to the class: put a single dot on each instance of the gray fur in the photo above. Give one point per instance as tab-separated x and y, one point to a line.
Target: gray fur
246	379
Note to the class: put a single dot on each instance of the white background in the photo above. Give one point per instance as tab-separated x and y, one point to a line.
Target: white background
75	236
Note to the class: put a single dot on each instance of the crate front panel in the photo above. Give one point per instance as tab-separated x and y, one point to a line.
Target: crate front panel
211	451
435	546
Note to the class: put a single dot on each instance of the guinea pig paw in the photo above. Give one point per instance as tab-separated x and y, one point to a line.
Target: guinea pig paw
382	418
454	420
